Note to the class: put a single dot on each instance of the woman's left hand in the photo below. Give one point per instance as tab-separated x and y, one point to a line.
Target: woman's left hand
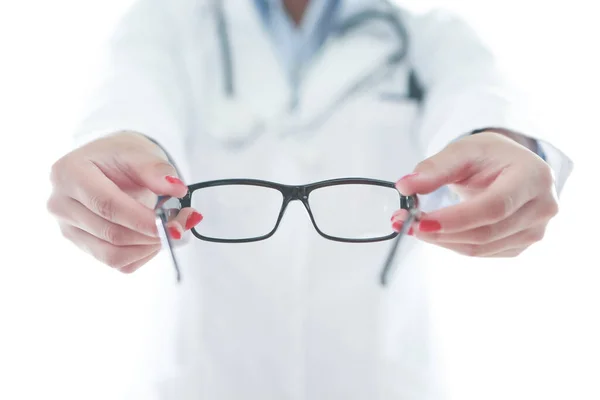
507	191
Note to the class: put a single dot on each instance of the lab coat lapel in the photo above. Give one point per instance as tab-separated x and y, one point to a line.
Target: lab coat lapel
344	63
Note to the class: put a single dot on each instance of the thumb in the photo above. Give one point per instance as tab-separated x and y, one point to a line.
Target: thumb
449	166
156	174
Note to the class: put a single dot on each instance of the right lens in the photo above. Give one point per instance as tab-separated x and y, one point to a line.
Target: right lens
237	212
354	211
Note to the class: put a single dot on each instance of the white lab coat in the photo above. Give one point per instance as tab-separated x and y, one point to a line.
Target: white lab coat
297	316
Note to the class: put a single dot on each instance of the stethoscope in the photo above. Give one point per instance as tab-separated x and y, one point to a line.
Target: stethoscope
255	126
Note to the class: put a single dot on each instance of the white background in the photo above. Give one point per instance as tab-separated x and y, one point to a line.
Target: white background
523	329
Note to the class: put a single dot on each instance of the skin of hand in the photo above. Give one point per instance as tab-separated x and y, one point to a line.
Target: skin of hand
103	196
508	196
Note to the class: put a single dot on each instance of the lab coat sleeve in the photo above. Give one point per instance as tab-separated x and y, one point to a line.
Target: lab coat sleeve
465	89
142	82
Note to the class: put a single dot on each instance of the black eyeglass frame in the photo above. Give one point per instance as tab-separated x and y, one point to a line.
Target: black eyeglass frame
296	193
291	193
409	203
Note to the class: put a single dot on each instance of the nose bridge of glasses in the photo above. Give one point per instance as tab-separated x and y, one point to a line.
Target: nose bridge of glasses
298	193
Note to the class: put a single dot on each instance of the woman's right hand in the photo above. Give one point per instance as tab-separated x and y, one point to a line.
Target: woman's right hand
103	197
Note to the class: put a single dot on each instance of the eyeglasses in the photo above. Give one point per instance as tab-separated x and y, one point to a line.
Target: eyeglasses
351	210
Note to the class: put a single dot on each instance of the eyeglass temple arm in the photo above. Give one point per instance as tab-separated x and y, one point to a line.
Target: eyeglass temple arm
161	226
390	267
161	216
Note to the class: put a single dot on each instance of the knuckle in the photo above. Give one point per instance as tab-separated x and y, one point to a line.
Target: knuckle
500	208
144	225
477	251
66	231
60	169
546	177
113	258
426	165
52	205
104	206
470	250
56	172
484	234
127	270
550	210
535	235
509	253
114	234
164	166
134	266
515	252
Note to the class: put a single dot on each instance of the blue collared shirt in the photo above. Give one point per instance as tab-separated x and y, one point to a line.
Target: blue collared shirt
297	44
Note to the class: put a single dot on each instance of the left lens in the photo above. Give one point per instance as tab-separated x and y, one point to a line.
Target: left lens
354	211
237	212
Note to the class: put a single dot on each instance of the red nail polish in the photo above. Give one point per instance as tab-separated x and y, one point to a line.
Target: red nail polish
174	233
174	180
411	231
397	226
429	226
193	220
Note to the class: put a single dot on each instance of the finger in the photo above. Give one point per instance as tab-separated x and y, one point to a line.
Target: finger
522	239
508	253
155	173
453	164
185	220
131	268
74	213
400	215
532	213
188	218
175	229
109	254
398	219
101	196
499	201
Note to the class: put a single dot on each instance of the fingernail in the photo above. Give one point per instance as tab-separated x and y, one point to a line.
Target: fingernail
193	220
174	232
429	226
397	226
174	180
411	231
